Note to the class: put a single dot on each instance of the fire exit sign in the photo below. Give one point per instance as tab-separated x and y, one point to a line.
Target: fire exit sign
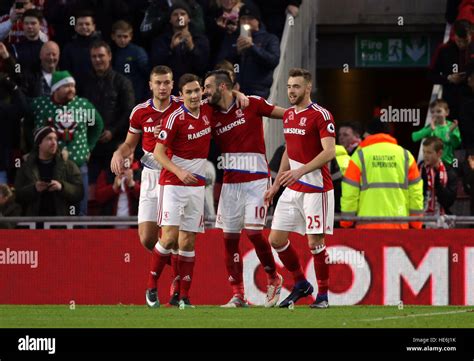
392	51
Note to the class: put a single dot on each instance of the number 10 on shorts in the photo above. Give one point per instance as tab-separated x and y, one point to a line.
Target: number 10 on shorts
260	212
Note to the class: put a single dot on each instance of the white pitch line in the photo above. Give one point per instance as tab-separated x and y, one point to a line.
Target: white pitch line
416	315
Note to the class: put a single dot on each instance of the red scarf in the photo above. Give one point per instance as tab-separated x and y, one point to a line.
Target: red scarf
431	175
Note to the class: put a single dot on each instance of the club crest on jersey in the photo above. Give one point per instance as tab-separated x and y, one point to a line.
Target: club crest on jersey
181	117
291	116
239	113
331	128
163	135
303	122
166	215
206	120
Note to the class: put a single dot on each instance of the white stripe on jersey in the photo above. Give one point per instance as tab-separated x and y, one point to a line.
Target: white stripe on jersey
196	166
323	111
134	130
173	116
311	179
139	106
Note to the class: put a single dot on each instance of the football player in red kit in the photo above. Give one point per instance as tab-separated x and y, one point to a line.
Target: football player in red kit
143	119
239	135
307	204
182	148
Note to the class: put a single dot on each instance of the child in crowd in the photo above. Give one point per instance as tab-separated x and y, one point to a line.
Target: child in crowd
442	128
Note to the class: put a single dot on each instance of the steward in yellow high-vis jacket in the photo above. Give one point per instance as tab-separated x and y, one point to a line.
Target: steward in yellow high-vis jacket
342	158
382	180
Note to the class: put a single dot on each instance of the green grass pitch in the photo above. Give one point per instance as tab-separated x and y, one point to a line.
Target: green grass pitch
123	316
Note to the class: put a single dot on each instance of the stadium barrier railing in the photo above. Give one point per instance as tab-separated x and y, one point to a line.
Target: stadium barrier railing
442	221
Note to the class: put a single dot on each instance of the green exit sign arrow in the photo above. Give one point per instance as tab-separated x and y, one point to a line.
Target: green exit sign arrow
392	51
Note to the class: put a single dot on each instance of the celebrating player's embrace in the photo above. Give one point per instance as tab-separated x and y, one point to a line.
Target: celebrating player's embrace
176	137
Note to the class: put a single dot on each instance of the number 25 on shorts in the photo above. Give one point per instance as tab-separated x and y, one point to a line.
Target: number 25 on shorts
313	222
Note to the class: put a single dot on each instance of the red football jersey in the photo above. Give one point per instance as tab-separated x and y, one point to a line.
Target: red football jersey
303	133
188	138
143	119
239	134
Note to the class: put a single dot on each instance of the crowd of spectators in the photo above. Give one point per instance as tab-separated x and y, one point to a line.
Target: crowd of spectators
76	69
452	66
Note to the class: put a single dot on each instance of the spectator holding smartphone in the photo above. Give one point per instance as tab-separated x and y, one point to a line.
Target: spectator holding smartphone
12	26
46	184
256	51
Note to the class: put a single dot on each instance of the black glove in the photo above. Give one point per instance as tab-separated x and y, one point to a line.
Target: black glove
7	83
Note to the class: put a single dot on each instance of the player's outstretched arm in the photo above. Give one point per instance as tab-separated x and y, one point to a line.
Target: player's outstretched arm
328	153
284	166
277	112
160	155
123	151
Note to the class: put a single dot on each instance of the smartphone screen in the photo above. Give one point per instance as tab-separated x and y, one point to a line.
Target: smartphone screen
245	30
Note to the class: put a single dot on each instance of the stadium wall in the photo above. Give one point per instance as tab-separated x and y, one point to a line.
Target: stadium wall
110	267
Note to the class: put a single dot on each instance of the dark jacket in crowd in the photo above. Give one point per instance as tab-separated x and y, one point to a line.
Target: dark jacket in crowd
466	118
113	97
66	172
132	62
156	19
180	59
13	107
34	84
9	209
27	53
446	58
7	66
257	63
444	195
76	56
274	14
